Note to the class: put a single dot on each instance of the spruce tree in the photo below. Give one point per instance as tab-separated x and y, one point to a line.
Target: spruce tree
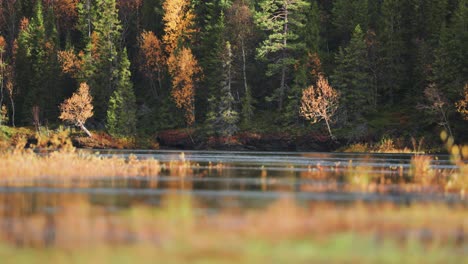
102	58
211	21
451	62
223	118
121	114
393	71
37	68
346	15
351	77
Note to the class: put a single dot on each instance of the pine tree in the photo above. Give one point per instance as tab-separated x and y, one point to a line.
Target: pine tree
240	31
352	78
282	20
303	75
121	114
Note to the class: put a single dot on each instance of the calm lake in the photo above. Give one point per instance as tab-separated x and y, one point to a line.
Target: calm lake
241	180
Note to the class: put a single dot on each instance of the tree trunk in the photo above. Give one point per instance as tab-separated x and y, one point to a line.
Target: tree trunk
446	123
85	130
283	66
12	111
244	67
329	129
88	8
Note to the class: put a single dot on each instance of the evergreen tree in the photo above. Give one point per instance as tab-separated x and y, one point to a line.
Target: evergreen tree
282	21
352	78
346	15
451	63
121	114
101	65
240	31
38	69
393	73
212	30
223	119
304	73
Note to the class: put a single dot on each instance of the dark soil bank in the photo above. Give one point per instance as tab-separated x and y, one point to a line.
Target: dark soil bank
177	139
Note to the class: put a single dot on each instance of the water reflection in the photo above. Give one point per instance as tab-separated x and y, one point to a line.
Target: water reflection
75	220
225	189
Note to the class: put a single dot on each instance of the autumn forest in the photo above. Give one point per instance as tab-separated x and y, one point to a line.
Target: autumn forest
344	70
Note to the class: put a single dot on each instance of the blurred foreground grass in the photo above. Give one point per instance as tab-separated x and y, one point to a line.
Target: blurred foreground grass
184	231
344	248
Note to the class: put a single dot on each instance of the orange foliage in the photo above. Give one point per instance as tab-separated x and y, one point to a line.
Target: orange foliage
152	53
70	63
2	44
319	103
24	23
65	11
95	45
462	105
314	65
184	69
178	20
78	108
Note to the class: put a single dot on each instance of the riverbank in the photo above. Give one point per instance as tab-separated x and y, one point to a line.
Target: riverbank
192	139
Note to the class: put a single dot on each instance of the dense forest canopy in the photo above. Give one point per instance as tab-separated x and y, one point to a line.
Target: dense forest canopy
400	67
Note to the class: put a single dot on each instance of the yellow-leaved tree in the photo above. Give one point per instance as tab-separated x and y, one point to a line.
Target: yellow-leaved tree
320	103
462	105
178	22
182	64
78	108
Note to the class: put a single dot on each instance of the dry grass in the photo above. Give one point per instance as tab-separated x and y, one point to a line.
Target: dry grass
388	145
68	165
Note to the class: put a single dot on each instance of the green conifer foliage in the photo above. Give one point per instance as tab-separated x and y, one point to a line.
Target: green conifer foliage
352	77
223	119
102	62
451	63
347	14
282	21
121	114
393	71
38	69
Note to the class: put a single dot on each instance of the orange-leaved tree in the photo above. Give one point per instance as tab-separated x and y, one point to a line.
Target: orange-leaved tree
184	70
153	57
320	103
462	105
182	65
178	21
78	108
